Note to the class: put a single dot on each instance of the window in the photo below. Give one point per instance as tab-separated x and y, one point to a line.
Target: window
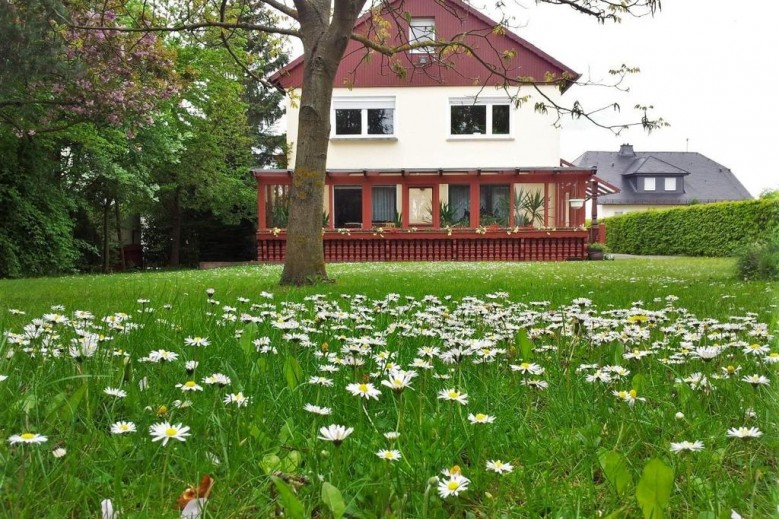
364	116
458	210
649	184
670	184
421	30
384	205
479	116
493	204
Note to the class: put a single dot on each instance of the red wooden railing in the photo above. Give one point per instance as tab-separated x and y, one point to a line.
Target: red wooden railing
357	246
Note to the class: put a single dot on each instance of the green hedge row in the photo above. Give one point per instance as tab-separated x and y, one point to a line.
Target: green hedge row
721	229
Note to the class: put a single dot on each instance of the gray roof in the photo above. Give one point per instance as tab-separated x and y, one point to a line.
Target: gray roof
704	180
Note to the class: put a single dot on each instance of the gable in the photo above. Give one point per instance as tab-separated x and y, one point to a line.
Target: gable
508	54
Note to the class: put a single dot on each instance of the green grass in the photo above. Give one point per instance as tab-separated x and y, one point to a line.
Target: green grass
576	448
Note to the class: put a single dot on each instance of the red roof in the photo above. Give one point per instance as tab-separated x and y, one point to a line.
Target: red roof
363	68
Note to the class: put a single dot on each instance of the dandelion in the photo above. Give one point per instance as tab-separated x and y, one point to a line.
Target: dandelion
27	437
165	431
123	428
364	390
744	432
190	385
323	411
453	395
335	433
389	455
480	418
115	392
453	486
695	446
238	399
499	467
197	341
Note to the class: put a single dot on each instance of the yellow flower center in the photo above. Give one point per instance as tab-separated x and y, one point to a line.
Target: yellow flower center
163	409
170	431
633	393
27	436
190	383
453	485
524	365
453	394
731	369
363	388
481	417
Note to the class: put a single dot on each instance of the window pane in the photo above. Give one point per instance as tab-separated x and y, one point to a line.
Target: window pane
459	205
348	122
383	204
420	205
649	184
500	119
493	204
469	120
421	30
381	121
670	184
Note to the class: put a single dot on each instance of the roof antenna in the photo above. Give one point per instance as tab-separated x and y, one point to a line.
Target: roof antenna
687	144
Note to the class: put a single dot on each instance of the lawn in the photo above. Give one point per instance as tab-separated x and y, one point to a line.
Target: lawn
626	389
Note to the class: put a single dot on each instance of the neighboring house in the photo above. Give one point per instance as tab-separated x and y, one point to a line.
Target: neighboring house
660	179
436	141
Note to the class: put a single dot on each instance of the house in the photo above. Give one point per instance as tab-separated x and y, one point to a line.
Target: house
660	179
434	155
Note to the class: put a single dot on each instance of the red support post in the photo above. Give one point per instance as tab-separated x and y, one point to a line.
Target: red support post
474	206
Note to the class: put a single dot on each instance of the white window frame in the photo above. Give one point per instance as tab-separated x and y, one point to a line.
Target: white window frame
421	30
364	103
670	184
650	184
489	102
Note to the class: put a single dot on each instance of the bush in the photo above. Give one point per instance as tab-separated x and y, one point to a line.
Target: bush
760	261
720	229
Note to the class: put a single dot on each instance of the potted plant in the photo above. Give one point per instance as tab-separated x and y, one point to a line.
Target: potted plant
596	251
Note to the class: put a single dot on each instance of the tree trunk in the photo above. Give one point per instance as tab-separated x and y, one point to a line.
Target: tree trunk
106	240
122	260
175	232
323	47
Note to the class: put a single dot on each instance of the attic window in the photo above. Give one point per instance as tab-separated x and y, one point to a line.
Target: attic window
670	184
649	184
421	30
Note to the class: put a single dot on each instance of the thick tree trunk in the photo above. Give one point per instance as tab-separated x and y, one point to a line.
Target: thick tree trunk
323	48
122	260
106	240
175	232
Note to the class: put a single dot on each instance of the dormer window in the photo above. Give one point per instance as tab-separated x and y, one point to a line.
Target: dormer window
421	30
670	184
649	184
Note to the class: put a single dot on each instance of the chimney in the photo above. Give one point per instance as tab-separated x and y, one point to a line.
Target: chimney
626	150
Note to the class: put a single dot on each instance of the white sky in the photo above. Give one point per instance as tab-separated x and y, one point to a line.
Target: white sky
709	68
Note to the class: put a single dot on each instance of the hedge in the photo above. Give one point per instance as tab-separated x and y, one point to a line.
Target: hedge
720	229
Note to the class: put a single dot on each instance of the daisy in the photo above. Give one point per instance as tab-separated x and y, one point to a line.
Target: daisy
453	395
112	391
3	378
744	432
364	390
499	467
756	349
321	381
398	380
629	397
756	380
695	446
190	385
527	368
27	437
217	379
191	365
196	341
165	431
335	433
237	398
535	383
389	455
453	486
311	408
480	418
392	435
123	428
59	452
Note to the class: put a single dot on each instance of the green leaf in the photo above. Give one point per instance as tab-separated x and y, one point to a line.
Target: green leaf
291	462
270	463
288	499
245	342
654	488
616	469
333	499
292	372
639	383
525	345
63	407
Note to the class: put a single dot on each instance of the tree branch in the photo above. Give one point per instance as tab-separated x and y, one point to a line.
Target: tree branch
193	27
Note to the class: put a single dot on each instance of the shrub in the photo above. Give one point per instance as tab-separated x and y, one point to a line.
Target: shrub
720	229
760	260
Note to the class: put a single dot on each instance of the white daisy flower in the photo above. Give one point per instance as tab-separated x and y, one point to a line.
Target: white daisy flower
27	437
364	390
499	467
389	455
453	395
480	418
335	433
165	431
695	446
123	428
744	432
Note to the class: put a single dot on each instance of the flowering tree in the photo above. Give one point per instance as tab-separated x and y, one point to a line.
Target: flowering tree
325	27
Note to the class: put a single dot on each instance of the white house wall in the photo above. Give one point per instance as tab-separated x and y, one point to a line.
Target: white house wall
422	134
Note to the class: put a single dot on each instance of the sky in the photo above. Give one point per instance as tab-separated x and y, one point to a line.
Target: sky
709	68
